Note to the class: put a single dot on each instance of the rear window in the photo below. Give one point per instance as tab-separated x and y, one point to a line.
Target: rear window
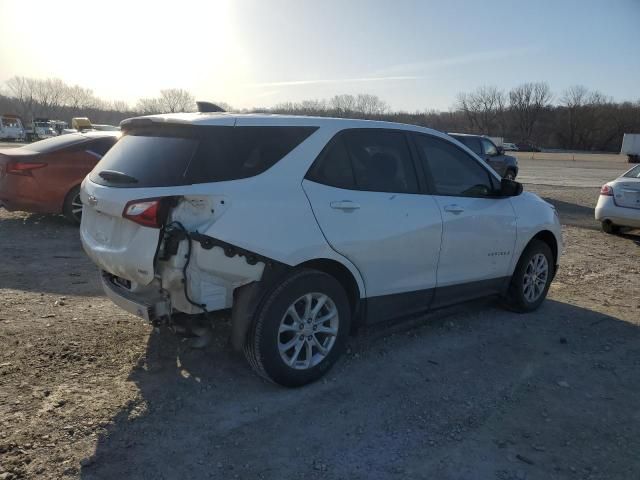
633	173
55	143
184	156
472	142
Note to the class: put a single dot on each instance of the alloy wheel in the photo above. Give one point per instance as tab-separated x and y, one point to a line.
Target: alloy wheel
308	331
535	277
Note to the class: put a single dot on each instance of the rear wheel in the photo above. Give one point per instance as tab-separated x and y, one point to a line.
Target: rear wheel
300	329
531	280
609	227
72	207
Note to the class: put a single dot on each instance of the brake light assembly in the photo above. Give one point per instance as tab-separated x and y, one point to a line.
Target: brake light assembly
606	190
149	212
23	168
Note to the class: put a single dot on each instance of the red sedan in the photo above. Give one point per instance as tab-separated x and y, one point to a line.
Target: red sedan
45	176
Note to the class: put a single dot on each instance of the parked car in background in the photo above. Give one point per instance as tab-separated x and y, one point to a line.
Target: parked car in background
40	129
105	128
527	147
305	227
509	147
45	176
505	165
619	202
11	128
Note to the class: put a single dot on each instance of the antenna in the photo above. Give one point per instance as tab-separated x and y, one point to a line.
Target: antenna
208	107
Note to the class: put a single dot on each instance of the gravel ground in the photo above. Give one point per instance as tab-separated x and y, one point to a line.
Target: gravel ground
88	391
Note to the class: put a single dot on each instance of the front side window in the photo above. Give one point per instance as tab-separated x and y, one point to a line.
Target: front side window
489	148
381	160
452	171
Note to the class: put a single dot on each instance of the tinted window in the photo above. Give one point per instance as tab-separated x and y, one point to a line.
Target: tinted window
100	146
381	160
333	166
452	171
489	148
55	143
241	152
472	142
633	173
184	155
152	161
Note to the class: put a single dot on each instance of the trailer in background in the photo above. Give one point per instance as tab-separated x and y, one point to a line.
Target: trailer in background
631	147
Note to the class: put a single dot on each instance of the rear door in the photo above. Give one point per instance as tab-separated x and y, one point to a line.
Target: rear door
479	229
366	197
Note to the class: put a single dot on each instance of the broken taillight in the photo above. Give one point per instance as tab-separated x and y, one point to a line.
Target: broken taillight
143	212
23	168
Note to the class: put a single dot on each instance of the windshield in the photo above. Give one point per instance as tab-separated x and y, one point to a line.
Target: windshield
10	122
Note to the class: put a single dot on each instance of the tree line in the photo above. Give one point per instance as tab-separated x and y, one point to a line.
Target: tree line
575	119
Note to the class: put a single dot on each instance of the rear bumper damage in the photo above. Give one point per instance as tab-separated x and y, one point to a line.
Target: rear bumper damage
150	305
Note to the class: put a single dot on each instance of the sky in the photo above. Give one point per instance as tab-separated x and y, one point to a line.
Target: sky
415	55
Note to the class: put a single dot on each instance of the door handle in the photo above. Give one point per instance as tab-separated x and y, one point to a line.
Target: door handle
344	205
455	209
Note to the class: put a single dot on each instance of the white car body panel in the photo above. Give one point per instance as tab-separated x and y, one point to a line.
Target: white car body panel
282	217
394	238
478	239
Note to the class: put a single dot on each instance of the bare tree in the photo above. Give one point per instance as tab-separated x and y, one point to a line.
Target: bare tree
483	109
526	102
149	106
176	100
120	106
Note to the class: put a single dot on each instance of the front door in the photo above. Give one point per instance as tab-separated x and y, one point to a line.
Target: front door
479	228
363	190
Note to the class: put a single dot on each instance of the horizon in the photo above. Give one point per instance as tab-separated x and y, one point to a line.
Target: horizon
262	54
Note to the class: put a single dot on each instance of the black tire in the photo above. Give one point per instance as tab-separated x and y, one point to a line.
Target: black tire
261	346
516	299
69	208
510	174
610	228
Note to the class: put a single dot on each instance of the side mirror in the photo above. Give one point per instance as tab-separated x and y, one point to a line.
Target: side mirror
510	188
500	150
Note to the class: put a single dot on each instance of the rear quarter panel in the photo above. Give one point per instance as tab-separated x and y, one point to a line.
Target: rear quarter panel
65	169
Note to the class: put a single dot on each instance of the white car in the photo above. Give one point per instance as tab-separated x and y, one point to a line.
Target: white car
619	202
509	147
305	228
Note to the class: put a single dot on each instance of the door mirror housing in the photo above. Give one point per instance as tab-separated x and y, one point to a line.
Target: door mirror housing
500	150
510	188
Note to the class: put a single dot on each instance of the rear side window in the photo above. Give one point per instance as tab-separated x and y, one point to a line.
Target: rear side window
452	171
100	146
183	156
56	143
333	166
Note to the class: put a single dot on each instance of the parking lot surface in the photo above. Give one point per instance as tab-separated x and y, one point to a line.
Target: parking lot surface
474	392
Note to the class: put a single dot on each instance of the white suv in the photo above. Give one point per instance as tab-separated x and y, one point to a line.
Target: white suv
306	228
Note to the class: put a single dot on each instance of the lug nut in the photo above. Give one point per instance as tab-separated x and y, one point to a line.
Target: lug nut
315	327
301	337
301	325
310	338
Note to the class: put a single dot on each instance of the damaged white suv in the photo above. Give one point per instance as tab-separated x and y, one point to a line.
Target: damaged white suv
304	228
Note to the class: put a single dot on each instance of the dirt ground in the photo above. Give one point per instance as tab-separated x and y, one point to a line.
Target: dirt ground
473	392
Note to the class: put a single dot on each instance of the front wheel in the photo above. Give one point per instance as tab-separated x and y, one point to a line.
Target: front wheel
531	280
300	329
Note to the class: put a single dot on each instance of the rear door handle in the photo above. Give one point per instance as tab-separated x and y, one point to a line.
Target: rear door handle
344	205
455	209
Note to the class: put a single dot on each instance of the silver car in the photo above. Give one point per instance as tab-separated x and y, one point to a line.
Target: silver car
619	202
